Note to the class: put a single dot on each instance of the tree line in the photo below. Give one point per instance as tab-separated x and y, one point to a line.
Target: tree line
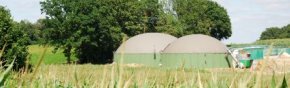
276	33
93	29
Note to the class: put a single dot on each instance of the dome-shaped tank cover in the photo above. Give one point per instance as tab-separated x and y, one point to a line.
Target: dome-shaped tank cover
196	43
146	43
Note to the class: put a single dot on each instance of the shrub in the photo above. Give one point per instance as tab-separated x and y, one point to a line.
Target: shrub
13	39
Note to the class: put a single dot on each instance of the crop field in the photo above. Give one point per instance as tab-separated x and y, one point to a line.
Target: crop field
58	75
114	76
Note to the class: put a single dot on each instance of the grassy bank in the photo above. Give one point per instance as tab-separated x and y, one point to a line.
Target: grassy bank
277	42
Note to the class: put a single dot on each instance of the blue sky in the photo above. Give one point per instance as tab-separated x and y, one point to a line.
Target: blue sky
248	17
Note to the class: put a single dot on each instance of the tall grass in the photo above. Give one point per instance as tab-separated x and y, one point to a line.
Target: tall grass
120	76
105	76
1	53
5	74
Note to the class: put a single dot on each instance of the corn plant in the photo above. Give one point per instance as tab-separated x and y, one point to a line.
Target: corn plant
5	74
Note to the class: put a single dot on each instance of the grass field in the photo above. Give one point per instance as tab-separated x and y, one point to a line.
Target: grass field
49	58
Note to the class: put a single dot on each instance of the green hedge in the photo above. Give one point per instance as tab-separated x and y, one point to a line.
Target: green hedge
277	42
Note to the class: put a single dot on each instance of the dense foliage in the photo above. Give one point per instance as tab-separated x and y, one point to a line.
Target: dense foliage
31	29
94	29
203	17
13	39
276	33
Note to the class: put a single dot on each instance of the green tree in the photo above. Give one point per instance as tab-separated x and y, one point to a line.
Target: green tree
157	20
203	17
14	39
276	33
168	23
271	33
39	29
30	30
286	31
93	29
151	10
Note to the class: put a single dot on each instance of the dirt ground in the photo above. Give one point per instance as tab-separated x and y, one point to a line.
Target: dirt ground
282	64
275	64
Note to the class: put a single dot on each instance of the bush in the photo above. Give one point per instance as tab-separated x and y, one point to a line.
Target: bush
13	39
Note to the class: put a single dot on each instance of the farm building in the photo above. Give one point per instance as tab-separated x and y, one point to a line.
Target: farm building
196	51
143	49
